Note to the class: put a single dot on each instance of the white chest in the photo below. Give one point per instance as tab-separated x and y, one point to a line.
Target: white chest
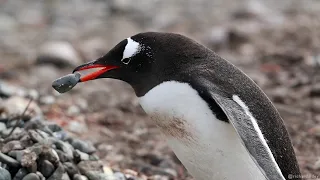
208	147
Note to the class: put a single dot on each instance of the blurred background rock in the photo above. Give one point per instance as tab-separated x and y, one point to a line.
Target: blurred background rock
277	43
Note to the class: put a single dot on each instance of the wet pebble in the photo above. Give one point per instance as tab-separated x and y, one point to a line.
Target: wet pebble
36	137
79	177
58	173
54	127
80	156
31	176
4	174
8	160
20	174
65	147
83	146
46	168
66	83
71	169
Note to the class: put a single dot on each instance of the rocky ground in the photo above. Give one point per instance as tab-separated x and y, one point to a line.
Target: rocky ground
277	43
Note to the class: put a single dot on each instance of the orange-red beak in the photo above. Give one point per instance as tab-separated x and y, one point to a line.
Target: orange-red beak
95	74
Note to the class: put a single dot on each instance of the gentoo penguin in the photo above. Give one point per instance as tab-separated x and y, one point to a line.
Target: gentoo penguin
217	121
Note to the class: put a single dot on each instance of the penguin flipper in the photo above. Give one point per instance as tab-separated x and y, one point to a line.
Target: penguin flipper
250	134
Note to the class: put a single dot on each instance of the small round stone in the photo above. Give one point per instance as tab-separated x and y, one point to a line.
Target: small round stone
31	176
46	168
4	174
66	83
79	177
8	160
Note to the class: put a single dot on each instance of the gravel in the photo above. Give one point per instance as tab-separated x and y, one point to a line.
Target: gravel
39	151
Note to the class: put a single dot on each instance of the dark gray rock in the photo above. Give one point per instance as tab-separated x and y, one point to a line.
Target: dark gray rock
58	173
8	160
62	156
46	168
54	127
4	174
66	83
50	154
65	147
83	146
31	176
20	174
79	177
36	137
71	168
26	141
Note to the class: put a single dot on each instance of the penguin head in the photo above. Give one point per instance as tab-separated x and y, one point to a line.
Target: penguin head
145	60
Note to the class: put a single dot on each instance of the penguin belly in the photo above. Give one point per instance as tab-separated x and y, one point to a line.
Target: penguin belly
208	147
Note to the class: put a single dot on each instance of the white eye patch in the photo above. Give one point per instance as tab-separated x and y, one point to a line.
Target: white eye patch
131	49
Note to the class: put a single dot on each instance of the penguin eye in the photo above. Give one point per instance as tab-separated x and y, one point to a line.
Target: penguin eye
126	60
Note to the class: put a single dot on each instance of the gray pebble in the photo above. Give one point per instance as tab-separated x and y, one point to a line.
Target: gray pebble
86	166
62	156
93	157
8	130
65	176
58	173
4	174
31	176
40	175
83	146
12	145
80	156
94	175
36	137
20	174
79	177
54	127
71	168
66	83
50	154
46	168
36	148
17	154
119	176
65	147
61	135
2	127
26	141
8	160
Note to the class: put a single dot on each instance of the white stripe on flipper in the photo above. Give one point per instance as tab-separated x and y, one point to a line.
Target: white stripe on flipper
256	127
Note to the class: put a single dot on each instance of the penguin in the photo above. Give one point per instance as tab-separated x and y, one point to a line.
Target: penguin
217	121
